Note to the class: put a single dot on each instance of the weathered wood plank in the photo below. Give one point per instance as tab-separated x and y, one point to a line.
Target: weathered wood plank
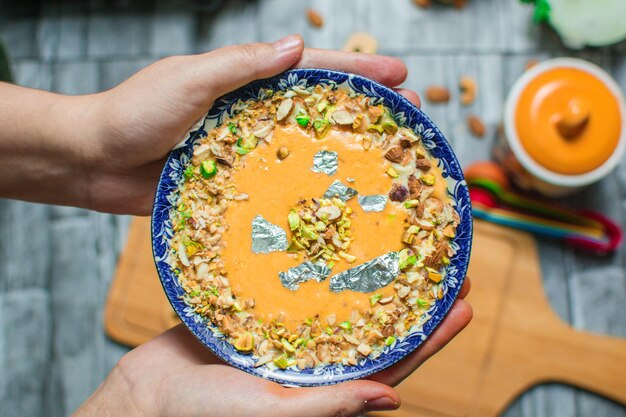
237	22
123	34
172	32
24	243
76	300
114	71
24	351
62	32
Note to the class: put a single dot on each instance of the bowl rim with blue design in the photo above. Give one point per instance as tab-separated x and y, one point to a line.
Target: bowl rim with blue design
406	114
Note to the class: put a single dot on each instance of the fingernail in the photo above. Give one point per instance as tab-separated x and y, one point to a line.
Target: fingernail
288	43
381	404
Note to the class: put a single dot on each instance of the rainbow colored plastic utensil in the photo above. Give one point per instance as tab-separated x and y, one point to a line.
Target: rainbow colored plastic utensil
493	201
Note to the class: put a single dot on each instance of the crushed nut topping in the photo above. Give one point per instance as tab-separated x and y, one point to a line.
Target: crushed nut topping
320	229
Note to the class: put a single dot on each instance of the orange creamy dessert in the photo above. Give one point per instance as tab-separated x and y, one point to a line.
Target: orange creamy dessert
568	120
258	202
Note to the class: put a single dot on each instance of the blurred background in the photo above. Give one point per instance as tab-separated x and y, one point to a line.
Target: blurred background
56	263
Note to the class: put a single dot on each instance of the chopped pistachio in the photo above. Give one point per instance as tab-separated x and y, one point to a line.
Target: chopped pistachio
191	247
239	148
302	118
388	124
232	127
288	346
346	325
294	220
392	172
413	229
448	231
428	179
389	340
349	258
245	342
423	304
445	260
208	169
434	276
245	145
321	127
282	361
375	298
295	246
320	226
308	233
411	203
375	128
189	172
406	260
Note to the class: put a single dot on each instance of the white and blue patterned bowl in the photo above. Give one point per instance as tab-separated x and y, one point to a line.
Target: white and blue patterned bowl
407	115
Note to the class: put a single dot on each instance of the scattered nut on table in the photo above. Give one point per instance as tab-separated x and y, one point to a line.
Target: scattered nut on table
437	94
315	18
469	90
531	63
422	3
476	126
361	42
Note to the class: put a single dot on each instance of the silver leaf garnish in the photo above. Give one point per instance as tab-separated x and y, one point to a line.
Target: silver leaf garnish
302	273
376	202
341	191
325	162
368	276
267	237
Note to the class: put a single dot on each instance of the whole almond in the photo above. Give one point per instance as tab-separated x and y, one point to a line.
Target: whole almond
476	126
315	18
437	94
423	164
531	63
422	3
395	154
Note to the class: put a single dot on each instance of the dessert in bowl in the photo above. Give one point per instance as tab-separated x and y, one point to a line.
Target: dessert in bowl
314	228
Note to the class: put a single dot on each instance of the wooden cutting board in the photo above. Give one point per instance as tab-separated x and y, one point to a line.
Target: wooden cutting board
514	342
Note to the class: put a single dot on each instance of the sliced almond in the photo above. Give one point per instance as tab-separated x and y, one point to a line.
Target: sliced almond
328	213
284	108
343	117
386	300
263	129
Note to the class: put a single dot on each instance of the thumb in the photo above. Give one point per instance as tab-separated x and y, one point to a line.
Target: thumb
346	399
231	67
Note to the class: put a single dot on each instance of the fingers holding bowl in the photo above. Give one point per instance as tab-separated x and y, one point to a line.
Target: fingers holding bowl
459	316
384	69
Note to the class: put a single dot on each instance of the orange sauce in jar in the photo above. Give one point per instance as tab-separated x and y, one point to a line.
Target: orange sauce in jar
568	120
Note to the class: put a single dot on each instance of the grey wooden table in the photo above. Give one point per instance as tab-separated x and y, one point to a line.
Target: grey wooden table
56	263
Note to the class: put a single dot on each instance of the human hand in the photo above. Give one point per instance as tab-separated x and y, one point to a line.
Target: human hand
137	123
176	376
